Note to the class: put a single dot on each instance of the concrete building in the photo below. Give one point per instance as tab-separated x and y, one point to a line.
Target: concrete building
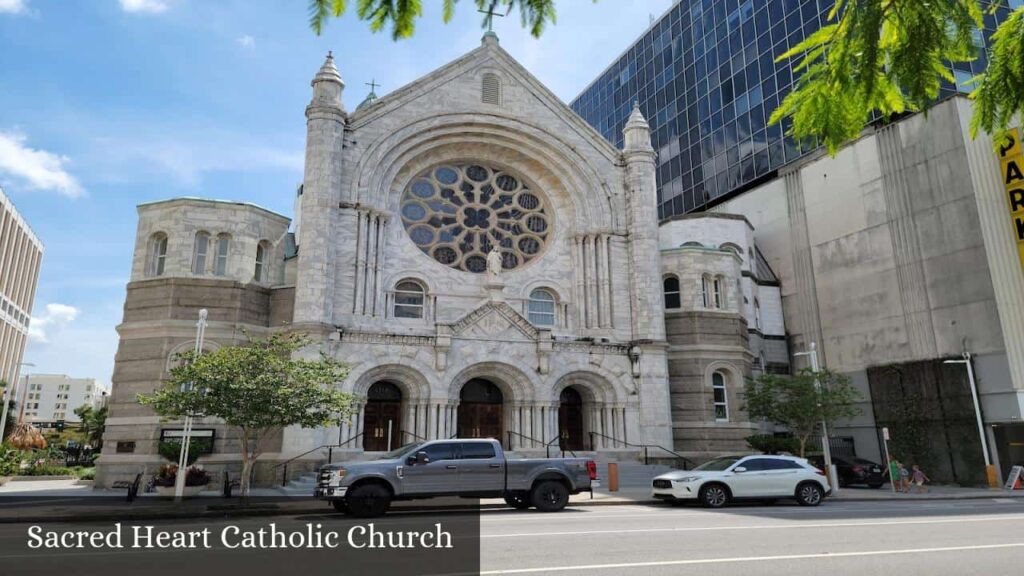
21	253
50	398
590	328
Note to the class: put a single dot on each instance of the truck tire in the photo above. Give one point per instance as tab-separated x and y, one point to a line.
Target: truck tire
518	500
549	496
368	501
340	506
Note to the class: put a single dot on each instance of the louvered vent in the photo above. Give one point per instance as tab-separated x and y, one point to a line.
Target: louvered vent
490	92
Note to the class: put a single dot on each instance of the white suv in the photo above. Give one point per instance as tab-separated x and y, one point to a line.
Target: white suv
759	476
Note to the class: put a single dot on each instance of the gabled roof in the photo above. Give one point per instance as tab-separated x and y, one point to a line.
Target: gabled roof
490	52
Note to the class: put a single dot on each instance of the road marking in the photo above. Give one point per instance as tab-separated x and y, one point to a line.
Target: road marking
754	559
947	520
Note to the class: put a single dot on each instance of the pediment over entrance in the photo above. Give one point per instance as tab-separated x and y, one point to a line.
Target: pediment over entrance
495	321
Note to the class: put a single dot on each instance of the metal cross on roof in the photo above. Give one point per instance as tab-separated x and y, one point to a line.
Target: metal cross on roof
489	19
373	85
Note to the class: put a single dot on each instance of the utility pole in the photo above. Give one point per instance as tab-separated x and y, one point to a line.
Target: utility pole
990	470
826	448
186	433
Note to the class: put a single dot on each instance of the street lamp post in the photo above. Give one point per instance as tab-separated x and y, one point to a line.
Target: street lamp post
826	448
186	432
990	470
13	387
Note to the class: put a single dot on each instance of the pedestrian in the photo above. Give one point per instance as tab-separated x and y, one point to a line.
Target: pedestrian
894	472
918	477
904	478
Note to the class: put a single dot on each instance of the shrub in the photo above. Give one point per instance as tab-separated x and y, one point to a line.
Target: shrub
771	444
197	447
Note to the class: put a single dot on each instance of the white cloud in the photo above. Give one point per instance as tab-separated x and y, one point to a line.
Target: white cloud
144	6
12	6
246	41
38	169
52	320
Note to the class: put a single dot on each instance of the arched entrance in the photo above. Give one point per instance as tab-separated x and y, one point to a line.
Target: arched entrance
570	419
382	417
480	410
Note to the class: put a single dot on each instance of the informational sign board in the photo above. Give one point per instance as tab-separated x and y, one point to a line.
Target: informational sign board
885	434
1015	474
1011	161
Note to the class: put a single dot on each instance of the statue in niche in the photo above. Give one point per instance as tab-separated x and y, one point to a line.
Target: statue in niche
494	259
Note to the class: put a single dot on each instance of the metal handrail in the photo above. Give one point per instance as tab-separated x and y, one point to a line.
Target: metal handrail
686	461
330	456
510	433
547	448
414	436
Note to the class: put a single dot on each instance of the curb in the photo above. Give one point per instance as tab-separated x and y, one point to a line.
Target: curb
214	512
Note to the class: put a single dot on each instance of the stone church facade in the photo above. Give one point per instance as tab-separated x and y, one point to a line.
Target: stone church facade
604	331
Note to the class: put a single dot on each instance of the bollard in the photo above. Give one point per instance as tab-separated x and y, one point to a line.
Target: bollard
613	476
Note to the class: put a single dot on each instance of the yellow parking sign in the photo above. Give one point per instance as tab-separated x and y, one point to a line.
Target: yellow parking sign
1011	161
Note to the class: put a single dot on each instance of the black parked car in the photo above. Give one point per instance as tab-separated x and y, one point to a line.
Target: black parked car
853	470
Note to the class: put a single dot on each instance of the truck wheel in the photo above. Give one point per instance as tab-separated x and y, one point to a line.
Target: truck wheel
340	506
368	501
549	496
518	500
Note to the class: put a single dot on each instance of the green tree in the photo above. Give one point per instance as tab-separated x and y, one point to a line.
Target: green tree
402	14
799	403
258	389
94	422
890	57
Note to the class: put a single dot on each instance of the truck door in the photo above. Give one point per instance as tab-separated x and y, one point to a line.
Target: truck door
482	468
439	475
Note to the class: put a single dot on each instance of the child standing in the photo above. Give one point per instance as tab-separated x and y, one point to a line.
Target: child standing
904	478
894	473
918	477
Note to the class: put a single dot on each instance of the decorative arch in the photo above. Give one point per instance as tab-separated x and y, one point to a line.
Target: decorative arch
187	346
593	386
413	384
554	165
734	248
514	384
733	384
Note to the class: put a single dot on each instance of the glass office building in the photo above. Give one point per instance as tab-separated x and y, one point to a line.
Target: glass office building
707	81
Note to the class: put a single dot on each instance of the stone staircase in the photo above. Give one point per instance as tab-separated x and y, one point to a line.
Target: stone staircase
300	486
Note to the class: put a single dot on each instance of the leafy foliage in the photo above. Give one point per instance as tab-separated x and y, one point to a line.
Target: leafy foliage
799	403
196	448
94	422
402	14
772	444
888	56
258	389
999	91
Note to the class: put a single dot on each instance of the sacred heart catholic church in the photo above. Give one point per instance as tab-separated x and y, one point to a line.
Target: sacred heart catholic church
486	264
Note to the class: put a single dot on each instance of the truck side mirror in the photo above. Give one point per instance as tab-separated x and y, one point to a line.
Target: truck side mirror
422	458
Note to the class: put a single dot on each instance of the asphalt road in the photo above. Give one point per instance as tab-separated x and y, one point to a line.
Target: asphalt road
964	537
931	538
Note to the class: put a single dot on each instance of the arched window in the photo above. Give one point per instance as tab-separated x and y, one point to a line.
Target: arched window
705	291
409	299
157	254
671	290
220	264
199	253
262	270
542	307
757	314
718	286
490	89
720	396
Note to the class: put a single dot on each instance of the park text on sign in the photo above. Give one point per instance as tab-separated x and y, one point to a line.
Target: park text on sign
1011	160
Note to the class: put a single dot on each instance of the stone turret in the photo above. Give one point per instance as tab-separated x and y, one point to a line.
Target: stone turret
325	132
649	316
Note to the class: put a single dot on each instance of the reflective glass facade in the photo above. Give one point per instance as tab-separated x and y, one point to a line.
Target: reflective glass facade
707	81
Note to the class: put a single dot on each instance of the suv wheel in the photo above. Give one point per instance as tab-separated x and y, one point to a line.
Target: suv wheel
713	495
518	500
549	496
368	501
809	494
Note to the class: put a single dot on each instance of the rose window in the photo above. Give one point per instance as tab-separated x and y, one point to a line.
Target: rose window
456	213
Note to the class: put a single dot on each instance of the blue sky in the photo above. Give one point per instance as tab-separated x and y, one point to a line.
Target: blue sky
105	104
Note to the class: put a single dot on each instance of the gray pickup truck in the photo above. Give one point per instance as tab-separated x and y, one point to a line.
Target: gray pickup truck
456	467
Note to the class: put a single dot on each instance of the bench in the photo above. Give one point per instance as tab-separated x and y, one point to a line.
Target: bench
132	486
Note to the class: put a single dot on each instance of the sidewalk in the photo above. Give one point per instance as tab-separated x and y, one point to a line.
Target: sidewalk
69	500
